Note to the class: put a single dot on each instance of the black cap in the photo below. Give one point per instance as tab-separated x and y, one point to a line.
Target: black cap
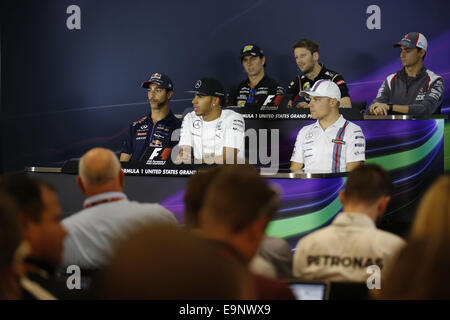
160	79
208	87
251	50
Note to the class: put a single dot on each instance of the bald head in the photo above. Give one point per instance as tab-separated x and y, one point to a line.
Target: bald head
99	169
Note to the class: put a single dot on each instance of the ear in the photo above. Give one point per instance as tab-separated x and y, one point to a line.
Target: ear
422	53
26	226
216	101
121	178
316	56
169	94
80	185
342	196
335	103
258	227
383	203
263	60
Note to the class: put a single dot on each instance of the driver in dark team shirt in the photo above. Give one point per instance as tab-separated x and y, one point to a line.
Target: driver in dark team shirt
154	130
306	54
258	91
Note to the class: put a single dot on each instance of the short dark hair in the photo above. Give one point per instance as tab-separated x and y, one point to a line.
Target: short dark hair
27	194
194	197
238	196
309	44
368	183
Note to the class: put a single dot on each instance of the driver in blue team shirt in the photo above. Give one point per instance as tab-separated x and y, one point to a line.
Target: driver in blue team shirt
154	130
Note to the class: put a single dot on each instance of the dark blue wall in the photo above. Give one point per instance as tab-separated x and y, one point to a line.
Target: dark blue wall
65	91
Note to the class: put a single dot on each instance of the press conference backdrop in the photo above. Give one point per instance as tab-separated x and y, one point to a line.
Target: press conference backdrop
71	70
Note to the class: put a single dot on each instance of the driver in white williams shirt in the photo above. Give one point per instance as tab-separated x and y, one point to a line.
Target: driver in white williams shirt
214	135
332	144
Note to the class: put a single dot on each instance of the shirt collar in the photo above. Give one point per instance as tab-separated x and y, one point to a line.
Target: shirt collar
339	123
353	219
259	83
420	74
104	196
169	117
321	73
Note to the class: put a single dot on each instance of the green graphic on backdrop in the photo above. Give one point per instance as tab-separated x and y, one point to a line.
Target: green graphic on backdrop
297	225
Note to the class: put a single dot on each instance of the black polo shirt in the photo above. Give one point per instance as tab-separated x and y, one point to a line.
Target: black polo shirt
144	133
302	82
255	99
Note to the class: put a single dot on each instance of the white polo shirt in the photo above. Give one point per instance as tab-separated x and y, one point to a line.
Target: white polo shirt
343	250
208	138
329	151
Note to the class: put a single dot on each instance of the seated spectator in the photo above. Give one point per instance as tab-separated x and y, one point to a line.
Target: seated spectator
107	215
274	257
169	263
10	239
421	271
40	217
343	250
414	89
237	208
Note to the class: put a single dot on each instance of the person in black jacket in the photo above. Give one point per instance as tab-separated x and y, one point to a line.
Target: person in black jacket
258	91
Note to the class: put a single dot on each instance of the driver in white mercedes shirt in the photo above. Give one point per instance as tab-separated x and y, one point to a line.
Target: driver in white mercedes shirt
210	134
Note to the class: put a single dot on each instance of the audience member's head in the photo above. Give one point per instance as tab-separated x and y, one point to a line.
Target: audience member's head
10	239
432	220
172	263
237	209
368	190
421	271
194	197
40	216
99	171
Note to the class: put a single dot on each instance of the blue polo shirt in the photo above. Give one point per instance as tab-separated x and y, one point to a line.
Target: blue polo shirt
144	133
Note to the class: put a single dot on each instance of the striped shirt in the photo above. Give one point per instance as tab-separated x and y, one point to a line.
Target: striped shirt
329	151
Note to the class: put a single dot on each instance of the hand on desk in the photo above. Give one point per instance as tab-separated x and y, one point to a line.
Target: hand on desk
379	109
298	105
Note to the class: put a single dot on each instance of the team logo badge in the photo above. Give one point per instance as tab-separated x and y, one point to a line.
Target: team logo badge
247	48
144	127
338	141
198	84
197	124
156	76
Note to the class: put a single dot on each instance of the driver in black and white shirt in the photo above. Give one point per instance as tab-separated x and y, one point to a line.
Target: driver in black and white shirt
210	134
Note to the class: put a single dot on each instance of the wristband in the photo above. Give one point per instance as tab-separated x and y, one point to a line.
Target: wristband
391	106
